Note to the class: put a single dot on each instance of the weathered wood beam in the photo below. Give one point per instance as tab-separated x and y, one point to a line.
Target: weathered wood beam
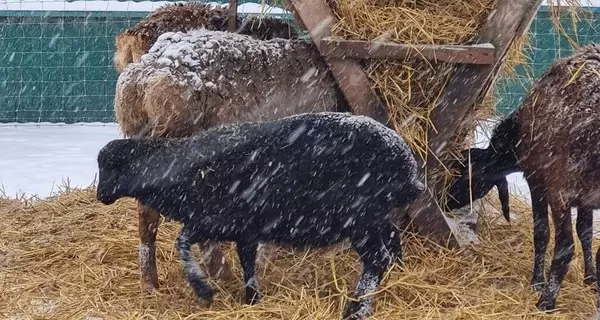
232	16
318	19
505	21
356	49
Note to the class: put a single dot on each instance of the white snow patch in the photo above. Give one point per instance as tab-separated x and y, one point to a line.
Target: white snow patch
37	158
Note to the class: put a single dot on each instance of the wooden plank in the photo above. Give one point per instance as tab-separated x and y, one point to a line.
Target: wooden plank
507	18
356	49
317	18
232	16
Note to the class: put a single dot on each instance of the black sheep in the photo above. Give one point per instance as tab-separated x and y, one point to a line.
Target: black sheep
462	191
309	180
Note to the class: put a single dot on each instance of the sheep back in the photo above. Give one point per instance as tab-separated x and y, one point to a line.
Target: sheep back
559	121
191	81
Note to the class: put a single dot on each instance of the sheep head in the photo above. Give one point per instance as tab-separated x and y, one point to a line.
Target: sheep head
121	164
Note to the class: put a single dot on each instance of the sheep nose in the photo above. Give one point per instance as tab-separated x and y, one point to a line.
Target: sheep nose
105	199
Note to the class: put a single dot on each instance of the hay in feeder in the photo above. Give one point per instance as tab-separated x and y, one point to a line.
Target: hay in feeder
73	258
410	88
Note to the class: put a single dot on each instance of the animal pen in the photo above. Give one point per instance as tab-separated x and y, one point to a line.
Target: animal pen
424	68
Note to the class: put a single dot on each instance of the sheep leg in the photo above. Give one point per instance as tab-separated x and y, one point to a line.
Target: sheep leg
541	236
247	254
193	273
214	260
563	253
377	252
585	230
148	221
503	195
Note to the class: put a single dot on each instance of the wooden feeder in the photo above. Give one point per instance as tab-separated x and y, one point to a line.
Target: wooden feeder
480	62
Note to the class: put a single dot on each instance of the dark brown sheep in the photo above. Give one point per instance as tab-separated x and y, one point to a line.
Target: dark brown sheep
134	42
560	153
554	139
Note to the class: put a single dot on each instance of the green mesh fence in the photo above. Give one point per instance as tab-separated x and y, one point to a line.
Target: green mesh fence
56	65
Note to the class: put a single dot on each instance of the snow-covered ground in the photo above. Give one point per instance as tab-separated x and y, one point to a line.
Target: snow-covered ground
36	158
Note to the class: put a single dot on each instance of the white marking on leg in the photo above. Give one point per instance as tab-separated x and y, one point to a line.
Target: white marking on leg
367	285
144	256
552	287
189	265
252	283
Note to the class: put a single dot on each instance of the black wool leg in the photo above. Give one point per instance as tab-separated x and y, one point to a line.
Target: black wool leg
193	273
541	231
585	233
247	254
377	251
563	253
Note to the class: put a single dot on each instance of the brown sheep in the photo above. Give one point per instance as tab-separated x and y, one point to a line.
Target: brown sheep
554	139
560	153
196	80
134	42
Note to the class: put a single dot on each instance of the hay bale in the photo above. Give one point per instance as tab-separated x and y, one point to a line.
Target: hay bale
134	42
71	257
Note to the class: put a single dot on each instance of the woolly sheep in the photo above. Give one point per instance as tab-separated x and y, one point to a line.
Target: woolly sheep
310	180
192	81
134	42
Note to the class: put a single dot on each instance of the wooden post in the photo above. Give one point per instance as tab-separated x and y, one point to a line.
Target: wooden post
232	16
355	49
317	18
505	21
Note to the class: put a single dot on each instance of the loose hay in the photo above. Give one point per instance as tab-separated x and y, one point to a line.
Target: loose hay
72	257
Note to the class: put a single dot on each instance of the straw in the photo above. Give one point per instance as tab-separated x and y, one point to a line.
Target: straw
74	258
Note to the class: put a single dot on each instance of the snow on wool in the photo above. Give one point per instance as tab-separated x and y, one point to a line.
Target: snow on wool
196	49
309	180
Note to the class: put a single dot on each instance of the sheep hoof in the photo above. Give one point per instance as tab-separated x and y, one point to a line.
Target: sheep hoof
355	312
545	305
150	286
252	299
201	289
